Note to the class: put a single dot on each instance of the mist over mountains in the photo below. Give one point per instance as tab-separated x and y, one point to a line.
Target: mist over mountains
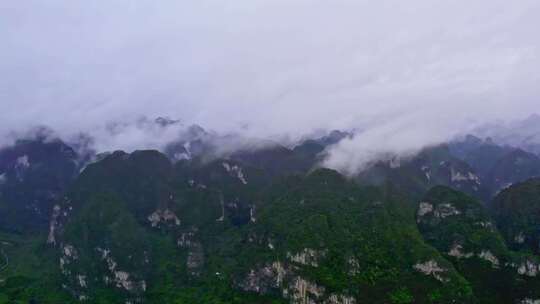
269	152
350	153
416	76
221	217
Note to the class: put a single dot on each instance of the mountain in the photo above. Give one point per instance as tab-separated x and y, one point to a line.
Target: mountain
431	167
131	217
514	167
523	134
134	224
201	146
481	154
279	160
264	224
517	210
497	166
326	240
34	174
461	228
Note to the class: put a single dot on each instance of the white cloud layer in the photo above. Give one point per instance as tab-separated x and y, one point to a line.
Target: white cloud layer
410	73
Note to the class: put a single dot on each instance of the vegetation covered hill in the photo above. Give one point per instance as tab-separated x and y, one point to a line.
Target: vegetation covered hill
461	228
262	227
517	210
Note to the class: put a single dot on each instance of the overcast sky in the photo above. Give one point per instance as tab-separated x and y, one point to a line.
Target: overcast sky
410	72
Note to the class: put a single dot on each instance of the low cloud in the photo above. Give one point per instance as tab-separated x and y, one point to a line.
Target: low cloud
392	138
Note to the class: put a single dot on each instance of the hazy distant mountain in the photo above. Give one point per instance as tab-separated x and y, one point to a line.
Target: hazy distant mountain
431	167
34	174
524	134
499	166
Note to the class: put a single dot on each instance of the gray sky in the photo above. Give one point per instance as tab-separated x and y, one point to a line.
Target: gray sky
409	72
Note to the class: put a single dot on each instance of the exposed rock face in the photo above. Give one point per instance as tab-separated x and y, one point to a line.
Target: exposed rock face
354	266
195	258
222	204
70	252
446	210
488	256
22	162
51	239
236	171
530	301
280	272
307	256
283	277
520	238
121	279
105	255
302	291
163	216
457	176
427	172
440	211
253	282
186	239
457	251
195	251
252	218
271	244
59	215
340	299
83	298
431	268
266	278
528	268
423	209
486	224
75	283
82	280
21	165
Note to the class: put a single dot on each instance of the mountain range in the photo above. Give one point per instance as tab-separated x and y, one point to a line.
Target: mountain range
199	222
